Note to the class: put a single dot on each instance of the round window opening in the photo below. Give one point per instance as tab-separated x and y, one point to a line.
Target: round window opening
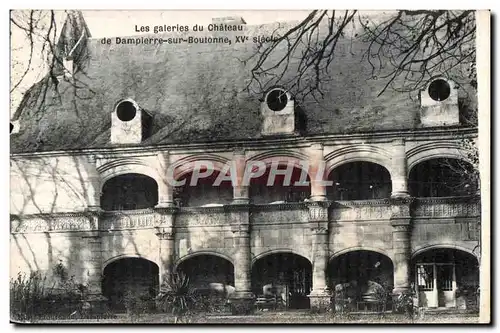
126	111
277	99
439	90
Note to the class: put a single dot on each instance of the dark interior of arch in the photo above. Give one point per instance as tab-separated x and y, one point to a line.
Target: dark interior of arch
207	190
289	275
132	278
280	189
442	177
359	181
129	191
360	276
466	265
205	271
361	266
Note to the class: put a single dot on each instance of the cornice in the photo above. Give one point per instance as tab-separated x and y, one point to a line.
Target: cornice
256	143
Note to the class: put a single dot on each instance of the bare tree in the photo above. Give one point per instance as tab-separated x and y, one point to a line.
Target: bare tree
404	48
40	46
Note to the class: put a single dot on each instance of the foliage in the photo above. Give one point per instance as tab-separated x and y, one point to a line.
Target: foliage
26	294
32	296
404	303
176	296
137	304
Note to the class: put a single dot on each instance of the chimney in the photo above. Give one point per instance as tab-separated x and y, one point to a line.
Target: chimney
68	67
238	20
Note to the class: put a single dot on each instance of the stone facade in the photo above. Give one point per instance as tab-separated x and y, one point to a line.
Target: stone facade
70	227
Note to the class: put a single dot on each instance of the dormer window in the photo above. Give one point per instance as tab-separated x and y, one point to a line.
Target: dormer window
130	124
439	103
278	111
439	90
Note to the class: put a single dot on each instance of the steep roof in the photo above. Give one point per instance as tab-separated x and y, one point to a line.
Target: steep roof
195	93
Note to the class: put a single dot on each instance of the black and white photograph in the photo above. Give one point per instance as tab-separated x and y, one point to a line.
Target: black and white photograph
249	166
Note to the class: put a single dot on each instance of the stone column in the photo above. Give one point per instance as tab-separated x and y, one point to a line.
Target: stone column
242	301
401	243
318	221
165	233
317	172
93	190
399	172
165	189
240	190
93	263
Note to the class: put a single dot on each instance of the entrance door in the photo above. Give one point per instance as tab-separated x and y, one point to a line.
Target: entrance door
446	285
436	285
426	282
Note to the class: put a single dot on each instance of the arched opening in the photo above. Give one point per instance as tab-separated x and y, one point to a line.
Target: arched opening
126	111
439	90
276	99
361	280
281	189
129	280
359	181
286	277
129	191
443	177
204	191
446	278
211	278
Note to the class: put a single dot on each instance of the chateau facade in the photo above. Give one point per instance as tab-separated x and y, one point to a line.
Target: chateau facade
385	207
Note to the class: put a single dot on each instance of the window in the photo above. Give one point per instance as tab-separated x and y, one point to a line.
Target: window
126	111
445	277
277	99
425	277
439	90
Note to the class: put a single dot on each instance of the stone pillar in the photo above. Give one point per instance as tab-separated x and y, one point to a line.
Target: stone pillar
399	172
318	221
401	243
167	243
242	301
317	172
93	189
240	190
165	189
93	263
165	233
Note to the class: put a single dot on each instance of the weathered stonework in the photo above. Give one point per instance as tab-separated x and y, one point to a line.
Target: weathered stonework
240	231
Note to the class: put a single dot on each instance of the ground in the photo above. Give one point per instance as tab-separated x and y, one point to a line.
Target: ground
288	317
